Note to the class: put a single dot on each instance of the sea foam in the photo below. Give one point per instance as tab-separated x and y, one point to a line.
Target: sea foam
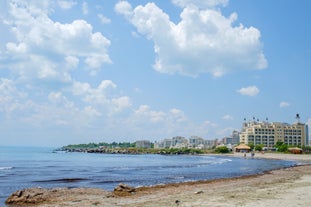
6	168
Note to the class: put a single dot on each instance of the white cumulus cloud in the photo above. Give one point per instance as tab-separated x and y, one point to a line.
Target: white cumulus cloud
68	4
204	41
102	97
11	99
85	8
144	113
46	49
284	104
79	105
125	8
200	3
249	91
159	123
103	19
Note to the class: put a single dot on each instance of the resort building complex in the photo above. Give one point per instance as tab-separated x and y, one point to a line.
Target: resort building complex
253	132
269	133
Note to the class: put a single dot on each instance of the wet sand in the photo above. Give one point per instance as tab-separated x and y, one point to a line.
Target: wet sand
284	187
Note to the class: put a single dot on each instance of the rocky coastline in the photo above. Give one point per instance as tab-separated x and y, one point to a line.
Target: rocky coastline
133	151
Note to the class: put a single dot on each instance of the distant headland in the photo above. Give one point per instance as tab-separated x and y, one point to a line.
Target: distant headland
127	148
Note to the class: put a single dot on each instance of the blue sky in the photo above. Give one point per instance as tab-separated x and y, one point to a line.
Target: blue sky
91	71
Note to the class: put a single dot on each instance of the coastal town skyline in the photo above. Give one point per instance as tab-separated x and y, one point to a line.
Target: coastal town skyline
74	71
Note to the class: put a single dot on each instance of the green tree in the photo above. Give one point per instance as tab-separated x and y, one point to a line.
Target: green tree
278	144
251	145
283	148
259	147
222	149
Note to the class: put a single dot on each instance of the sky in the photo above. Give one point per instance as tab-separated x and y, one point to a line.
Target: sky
102	71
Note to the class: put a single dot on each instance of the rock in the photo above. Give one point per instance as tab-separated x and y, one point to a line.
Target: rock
39	196
123	189
28	196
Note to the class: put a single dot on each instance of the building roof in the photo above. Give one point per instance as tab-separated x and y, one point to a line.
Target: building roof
243	146
294	148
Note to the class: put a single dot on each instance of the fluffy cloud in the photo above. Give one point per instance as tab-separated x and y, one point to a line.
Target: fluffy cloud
103	97
44	49
84	108
200	3
42	57
103	19
144	113
66	4
163	124
80	105
125	8
11	99
284	104
178	115
204	41
249	91
159	123
18	107
85	8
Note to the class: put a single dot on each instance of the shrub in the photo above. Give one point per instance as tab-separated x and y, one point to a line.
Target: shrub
258	147
222	149
283	148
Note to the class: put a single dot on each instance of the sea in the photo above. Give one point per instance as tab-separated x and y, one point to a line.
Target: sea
25	167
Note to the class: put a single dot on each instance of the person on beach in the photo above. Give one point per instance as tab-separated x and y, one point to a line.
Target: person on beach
253	154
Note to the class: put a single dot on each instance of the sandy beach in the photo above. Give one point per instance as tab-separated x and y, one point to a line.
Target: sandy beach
301	158
284	187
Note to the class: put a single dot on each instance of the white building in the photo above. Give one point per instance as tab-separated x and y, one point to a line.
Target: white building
268	134
182	142
196	142
234	139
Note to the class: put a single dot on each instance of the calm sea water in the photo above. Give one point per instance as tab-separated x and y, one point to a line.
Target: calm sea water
40	167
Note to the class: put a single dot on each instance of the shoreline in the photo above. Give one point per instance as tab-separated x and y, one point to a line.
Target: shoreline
268	188
301	159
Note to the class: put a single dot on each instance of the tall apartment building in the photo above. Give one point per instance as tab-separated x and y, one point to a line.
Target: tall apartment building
182	142
175	142
234	139
179	141
268	134
195	141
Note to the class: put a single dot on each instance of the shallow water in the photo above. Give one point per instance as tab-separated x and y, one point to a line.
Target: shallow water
40	167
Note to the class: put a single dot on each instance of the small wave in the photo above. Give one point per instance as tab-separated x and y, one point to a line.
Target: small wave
178	177
221	161
210	160
226	160
6	168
